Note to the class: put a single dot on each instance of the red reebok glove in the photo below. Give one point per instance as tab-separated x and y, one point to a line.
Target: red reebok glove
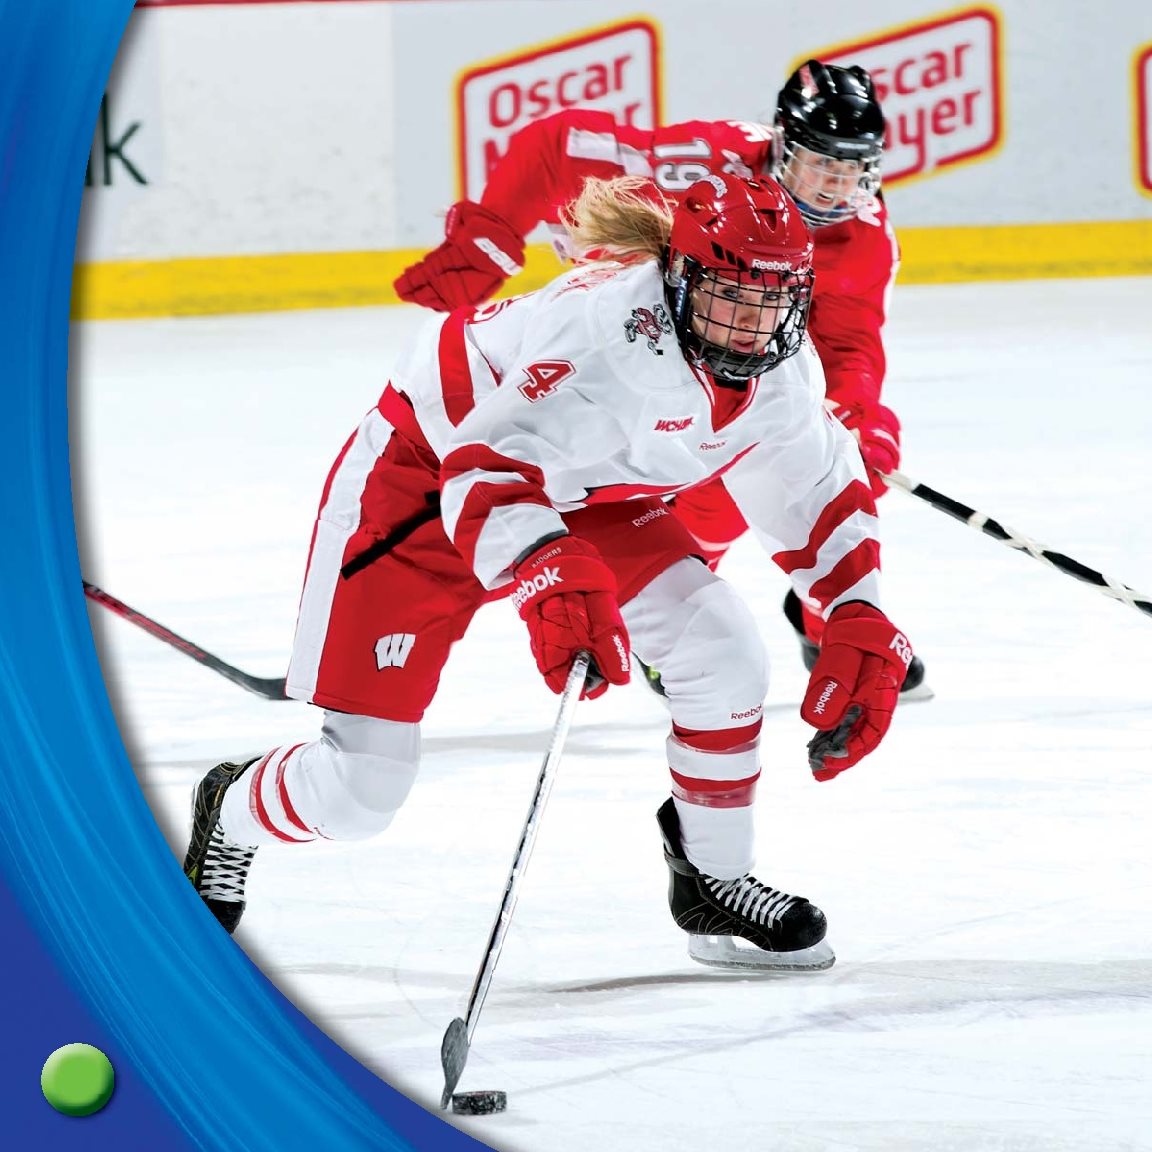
567	597
854	687
481	251
877	430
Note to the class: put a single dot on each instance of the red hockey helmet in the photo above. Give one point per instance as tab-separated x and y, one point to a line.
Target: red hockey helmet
738	275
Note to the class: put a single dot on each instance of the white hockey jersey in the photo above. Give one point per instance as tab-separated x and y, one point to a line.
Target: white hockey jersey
578	394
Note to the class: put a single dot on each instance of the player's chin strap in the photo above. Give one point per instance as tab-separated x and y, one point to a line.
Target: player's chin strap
982	522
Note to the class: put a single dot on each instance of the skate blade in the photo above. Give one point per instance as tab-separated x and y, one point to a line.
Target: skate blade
921	692
735	954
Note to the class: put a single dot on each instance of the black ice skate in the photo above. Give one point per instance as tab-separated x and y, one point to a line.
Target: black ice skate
913	687
782	932
217	868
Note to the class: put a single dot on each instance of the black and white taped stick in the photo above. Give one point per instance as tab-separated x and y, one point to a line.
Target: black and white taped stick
982	522
271	688
458	1037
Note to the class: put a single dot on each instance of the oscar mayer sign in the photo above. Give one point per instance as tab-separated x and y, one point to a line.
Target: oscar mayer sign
614	68
940	84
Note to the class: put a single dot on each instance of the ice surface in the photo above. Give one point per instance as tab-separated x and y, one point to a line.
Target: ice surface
987	874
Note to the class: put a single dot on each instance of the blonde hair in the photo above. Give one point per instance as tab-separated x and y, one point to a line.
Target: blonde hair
625	219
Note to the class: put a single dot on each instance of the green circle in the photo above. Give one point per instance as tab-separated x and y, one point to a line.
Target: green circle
77	1080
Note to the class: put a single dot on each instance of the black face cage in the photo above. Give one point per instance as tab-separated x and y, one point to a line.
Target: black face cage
728	365
789	168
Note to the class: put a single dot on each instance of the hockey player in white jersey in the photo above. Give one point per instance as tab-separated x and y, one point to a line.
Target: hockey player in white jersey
524	449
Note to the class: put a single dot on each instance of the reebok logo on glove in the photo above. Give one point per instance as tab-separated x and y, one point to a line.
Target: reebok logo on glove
902	648
822	702
534	585
497	255
567	597
622	652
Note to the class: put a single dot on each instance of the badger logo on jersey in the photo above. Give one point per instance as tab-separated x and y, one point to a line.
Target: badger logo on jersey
651	323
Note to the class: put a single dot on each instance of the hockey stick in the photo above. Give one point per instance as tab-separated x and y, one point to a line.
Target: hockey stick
270	689
454	1046
1021	543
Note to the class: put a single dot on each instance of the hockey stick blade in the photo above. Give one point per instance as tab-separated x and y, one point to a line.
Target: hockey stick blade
453	1057
270	688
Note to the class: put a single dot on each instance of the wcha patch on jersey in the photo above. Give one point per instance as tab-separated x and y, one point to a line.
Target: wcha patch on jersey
651	323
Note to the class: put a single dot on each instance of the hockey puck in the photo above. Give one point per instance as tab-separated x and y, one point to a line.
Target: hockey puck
479	1103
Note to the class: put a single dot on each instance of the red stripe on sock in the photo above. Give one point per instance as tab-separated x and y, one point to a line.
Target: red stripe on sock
718	739
254	785
715	793
282	792
259	809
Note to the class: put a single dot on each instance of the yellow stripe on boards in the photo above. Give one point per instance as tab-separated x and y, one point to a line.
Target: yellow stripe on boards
1025	252
214	285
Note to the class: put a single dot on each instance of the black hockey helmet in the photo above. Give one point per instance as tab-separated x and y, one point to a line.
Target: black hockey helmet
831	111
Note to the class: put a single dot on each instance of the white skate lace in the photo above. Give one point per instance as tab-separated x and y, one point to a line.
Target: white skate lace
225	868
749	898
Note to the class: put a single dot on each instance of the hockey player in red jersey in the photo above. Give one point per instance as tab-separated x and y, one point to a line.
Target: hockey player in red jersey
523	449
825	148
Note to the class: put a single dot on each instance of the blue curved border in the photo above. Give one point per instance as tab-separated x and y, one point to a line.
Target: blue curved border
103	940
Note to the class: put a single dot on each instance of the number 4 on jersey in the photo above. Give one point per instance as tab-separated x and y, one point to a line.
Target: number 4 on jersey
544	376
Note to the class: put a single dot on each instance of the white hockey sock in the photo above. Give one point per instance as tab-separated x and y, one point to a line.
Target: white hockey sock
258	808
348	785
713	792
718	841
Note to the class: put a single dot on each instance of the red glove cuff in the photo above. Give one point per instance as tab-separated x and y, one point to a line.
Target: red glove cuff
867	629
566	564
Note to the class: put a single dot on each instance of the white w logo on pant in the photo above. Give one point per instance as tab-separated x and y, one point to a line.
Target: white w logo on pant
393	651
